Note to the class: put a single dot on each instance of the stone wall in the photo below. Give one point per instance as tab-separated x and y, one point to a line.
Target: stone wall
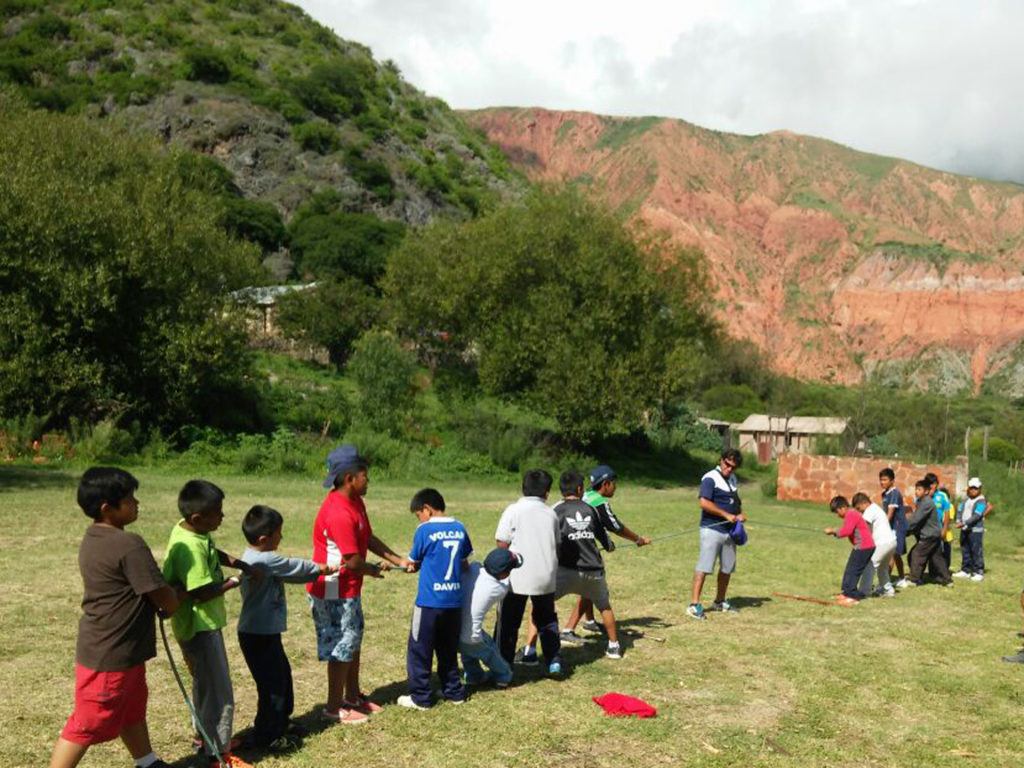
803	477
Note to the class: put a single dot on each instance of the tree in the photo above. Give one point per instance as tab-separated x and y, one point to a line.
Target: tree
337	244
114	278
555	302
384	372
332	315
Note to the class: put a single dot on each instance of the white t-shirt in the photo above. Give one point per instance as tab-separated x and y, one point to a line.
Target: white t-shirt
530	528
881	530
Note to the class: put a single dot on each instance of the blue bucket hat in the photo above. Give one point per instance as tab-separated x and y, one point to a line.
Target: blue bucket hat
344	458
738	533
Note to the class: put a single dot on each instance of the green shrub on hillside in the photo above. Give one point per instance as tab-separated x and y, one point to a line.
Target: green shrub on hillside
999	450
322	138
371	174
205	63
256	221
335	245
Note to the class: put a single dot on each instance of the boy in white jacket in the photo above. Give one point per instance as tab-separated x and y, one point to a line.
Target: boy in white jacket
482	587
885	546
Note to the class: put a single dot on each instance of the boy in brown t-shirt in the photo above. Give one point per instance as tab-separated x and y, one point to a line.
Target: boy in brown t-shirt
123	589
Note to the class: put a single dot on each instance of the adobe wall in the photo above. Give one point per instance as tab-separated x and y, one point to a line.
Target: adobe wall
803	477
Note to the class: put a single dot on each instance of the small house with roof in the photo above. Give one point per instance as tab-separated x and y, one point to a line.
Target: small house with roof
771	436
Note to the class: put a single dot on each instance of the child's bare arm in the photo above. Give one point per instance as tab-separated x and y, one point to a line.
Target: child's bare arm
166	599
233	562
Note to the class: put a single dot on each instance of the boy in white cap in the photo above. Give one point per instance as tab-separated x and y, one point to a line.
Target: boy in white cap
970	519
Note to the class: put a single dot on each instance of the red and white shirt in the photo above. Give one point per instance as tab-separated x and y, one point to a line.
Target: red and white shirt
341	528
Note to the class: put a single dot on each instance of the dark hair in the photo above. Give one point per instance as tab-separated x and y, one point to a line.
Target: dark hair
570	482
197	497
860	498
427	497
734	454
537	482
339	479
837	503
104	485
261	520
923	483
887	472
931	478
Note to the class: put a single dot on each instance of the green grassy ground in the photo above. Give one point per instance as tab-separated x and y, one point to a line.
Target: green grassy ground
916	680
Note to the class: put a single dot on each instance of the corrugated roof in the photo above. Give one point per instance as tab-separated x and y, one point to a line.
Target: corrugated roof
803	425
267	295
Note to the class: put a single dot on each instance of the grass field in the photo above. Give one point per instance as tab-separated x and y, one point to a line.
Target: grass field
916	680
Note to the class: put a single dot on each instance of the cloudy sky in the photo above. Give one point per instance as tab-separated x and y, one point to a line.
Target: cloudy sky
940	82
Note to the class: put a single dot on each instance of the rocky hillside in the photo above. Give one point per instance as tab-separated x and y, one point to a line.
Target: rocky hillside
840	265
281	101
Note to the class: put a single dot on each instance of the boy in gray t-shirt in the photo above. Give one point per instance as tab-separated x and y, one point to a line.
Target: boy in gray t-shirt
264	617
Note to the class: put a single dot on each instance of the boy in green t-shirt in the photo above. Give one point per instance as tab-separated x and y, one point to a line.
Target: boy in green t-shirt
194	562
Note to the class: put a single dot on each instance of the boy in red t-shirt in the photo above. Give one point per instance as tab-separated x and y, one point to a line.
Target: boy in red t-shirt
857	530
123	589
341	537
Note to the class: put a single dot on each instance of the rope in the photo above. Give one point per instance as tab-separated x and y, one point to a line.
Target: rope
184	693
748	523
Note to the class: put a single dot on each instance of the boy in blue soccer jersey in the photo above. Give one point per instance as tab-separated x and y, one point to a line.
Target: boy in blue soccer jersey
440	551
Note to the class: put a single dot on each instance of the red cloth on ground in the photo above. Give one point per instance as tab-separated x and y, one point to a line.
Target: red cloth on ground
620	704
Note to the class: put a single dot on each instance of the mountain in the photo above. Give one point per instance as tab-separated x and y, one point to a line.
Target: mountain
840	265
282	102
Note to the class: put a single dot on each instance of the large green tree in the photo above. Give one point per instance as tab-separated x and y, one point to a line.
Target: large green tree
114	278
555	302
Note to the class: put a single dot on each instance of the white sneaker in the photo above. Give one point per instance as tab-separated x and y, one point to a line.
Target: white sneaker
902	584
978	577
961	575
592	626
890	592
614	651
407	702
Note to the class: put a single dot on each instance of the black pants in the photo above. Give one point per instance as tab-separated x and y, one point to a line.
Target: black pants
265	657
928	551
510	618
970	548
434	631
859	560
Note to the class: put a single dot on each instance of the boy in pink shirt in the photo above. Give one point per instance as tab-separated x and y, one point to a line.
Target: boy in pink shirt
856	529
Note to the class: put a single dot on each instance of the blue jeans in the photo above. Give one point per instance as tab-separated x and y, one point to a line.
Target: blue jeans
970	548
487	653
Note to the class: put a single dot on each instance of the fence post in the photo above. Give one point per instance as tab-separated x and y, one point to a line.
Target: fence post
984	443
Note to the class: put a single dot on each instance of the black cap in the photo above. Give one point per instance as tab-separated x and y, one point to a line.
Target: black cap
344	458
501	560
599	474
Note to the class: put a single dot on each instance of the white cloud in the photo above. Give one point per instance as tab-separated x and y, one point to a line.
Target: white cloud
935	81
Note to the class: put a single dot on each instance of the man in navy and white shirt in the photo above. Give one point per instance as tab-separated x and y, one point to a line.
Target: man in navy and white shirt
720	510
440	549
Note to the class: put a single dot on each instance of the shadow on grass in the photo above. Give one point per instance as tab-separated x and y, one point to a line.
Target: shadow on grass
748	602
21	478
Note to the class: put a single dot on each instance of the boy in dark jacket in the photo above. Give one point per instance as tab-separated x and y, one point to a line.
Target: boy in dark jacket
924	523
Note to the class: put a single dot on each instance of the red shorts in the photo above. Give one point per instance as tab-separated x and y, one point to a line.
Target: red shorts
106	703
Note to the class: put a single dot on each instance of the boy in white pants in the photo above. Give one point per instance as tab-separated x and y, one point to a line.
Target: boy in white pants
885	546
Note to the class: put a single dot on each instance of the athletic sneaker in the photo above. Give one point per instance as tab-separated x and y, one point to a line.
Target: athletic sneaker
345	716
1017	658
901	583
407	702
978	577
159	764
845	600
614	651
569	637
284	743
527	658
230	760
961	575
696	611
555	669
592	626
502	683
889	592
363	704
723	607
